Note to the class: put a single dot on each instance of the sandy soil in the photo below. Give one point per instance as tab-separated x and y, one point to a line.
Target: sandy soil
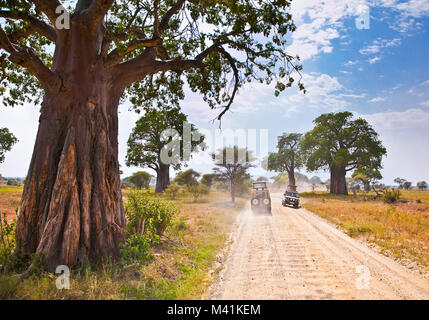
294	254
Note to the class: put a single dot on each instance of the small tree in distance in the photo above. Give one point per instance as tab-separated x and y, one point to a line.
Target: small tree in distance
141	179
400	182
187	178
146	143
422	185
232	166
208	179
407	185
367	176
289	156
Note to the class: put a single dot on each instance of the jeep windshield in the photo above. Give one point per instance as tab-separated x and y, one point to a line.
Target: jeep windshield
291	194
259	185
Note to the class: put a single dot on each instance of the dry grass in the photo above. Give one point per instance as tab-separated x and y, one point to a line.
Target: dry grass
180	268
402	229
10	200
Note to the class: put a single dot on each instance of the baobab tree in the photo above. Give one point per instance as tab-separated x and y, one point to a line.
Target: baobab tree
110	50
342	144
288	158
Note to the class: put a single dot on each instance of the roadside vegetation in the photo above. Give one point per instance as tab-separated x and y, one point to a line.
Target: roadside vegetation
169	252
400	228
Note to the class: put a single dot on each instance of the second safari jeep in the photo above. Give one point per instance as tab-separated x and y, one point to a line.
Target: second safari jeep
260	197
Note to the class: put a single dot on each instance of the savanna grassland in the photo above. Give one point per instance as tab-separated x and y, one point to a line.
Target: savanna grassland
178	266
401	229
10	199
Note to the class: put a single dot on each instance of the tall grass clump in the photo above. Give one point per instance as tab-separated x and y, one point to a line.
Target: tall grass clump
391	196
147	220
148	216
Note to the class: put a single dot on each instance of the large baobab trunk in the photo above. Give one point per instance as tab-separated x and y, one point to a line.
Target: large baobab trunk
162	178
72	206
292	181
338	180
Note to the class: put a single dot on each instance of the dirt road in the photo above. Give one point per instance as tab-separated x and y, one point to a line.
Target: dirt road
293	254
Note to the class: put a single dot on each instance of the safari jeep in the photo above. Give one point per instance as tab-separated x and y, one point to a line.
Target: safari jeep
290	198
260	197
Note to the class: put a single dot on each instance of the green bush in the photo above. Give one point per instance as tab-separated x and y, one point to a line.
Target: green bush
172	191
391	196
197	191
8	256
135	249
148	216
14	183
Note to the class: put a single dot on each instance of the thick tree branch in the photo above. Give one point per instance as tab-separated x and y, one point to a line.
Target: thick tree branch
27	59
116	55
48	7
156	33
96	12
36	26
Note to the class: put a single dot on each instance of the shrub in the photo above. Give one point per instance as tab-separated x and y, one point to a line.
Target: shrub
14	183
391	196
172	191
8	256
135	249
197	191
148	216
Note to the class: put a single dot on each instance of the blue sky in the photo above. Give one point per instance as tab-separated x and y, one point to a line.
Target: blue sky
380	74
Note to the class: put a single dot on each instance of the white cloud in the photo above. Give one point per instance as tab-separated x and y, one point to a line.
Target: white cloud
318	24
351	63
399	120
321	22
425	83
379	44
377	99
407	13
324	93
374	60
425	104
411	8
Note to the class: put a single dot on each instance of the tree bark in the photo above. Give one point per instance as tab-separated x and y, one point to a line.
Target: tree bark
367	186
292	181
338	180
232	192
162	177
72	206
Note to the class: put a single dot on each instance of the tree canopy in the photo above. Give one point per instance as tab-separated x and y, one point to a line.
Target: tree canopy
149	45
342	144
422	185
148	141
208	179
187	178
367	176
141	179
232	165
7	140
289	157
